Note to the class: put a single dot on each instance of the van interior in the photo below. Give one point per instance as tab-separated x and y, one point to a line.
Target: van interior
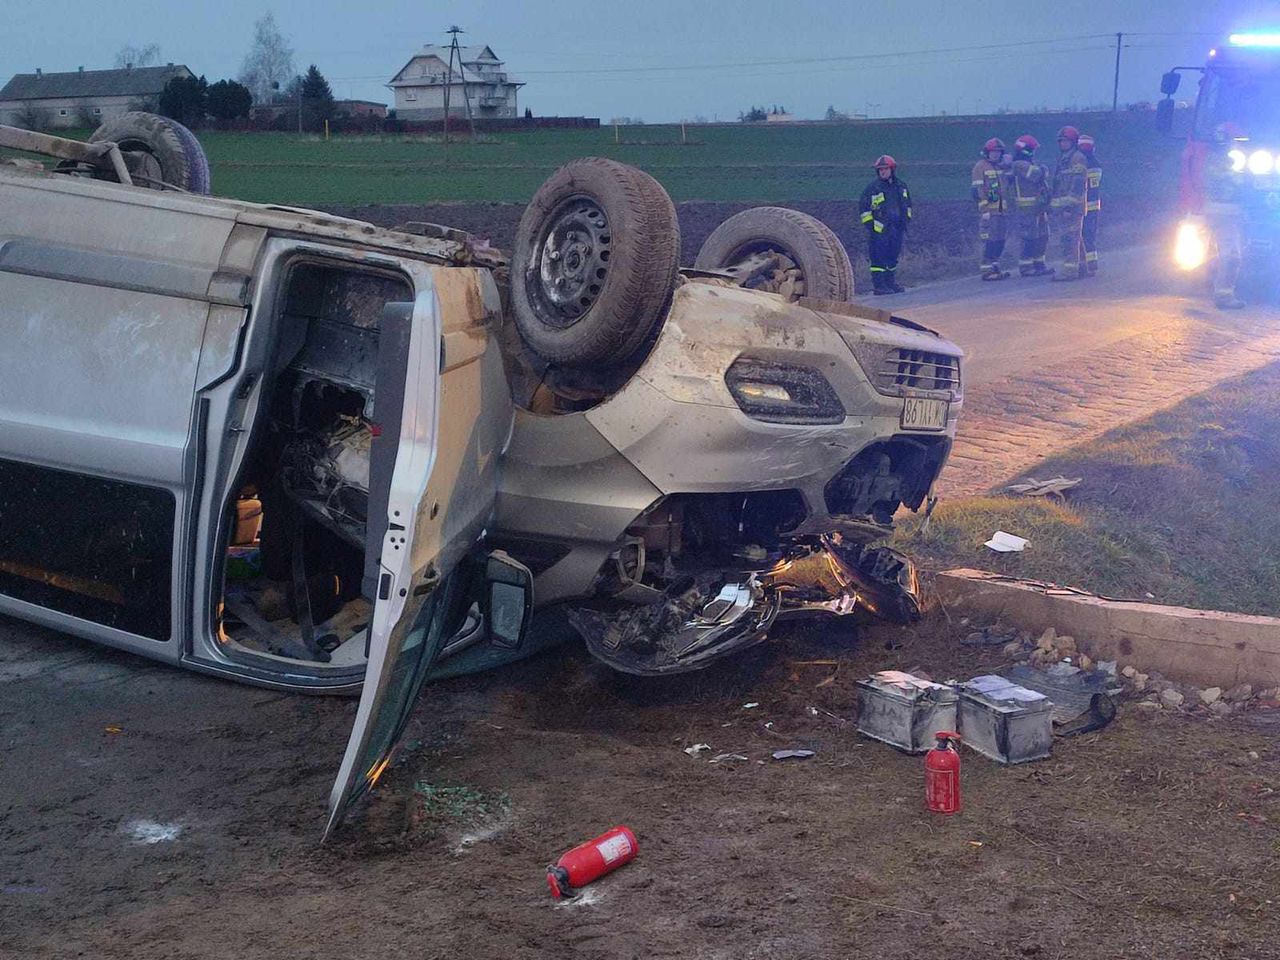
299	561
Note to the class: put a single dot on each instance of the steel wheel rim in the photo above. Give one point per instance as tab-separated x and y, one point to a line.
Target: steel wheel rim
571	262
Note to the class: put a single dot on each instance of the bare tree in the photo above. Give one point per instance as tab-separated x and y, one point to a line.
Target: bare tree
133	55
269	63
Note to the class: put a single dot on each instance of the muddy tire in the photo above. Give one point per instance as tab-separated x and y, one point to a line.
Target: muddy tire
814	263
167	153
595	263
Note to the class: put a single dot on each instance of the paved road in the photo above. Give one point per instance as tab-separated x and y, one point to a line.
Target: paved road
1053	364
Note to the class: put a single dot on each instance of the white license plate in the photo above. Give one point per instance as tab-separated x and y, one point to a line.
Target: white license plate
920	413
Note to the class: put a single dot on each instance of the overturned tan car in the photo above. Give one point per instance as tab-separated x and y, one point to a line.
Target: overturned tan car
307	452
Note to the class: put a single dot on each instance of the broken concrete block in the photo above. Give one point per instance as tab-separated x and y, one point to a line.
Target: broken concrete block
1046	639
1171	698
1220	708
1211	695
1129	671
1201	647
1066	646
1140	681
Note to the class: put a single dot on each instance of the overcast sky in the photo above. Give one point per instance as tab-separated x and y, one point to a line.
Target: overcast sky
671	59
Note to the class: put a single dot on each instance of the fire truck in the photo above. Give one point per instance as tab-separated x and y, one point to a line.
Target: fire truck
1234	134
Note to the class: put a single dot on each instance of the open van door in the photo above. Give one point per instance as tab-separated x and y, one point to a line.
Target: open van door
433	511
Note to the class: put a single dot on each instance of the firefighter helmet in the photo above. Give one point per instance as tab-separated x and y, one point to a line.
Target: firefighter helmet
1069	133
1085	143
995	143
884	160
1027	143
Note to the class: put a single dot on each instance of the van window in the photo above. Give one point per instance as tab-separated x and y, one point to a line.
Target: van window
97	549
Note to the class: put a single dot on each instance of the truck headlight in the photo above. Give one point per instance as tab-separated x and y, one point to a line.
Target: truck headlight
1238	159
1261	162
1192	247
783	393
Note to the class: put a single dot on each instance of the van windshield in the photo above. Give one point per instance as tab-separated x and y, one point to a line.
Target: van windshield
1250	98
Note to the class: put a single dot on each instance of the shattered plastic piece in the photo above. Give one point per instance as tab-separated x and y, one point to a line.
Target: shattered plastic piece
750	706
1002	542
792	754
726	757
697	748
1031	487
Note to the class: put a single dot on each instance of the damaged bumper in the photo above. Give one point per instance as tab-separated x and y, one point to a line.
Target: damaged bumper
705	617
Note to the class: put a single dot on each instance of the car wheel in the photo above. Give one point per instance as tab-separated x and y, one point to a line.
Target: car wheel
780	251
595	263
160	152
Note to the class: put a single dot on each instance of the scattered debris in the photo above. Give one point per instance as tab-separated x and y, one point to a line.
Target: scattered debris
1220	709
1211	695
792	754
697	749
1239	693
728	757
992	636
1031	487
750	706
113	729
1002	542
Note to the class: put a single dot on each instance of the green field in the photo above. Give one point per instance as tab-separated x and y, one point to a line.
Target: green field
758	162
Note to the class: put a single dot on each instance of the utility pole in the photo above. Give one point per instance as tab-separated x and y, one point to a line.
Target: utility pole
456	53
1115	87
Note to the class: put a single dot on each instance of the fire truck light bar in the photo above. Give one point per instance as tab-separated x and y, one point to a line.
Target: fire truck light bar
1255	39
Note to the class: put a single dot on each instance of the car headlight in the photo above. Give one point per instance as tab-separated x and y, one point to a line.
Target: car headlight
783	393
1238	159
1261	162
1192	247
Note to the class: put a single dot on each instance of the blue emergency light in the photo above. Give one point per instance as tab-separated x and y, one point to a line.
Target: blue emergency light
1255	39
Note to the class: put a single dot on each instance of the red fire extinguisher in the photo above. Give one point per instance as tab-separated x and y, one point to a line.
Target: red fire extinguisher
942	774
590	861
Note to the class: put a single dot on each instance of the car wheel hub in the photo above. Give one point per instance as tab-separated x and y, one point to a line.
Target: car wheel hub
573	262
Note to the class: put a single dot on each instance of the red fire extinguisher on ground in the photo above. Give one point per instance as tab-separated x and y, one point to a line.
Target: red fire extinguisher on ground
942	774
590	861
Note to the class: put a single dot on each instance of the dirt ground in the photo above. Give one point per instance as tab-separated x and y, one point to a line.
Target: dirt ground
1156	837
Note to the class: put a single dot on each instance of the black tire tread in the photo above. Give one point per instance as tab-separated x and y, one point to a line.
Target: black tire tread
828	271
640	284
182	160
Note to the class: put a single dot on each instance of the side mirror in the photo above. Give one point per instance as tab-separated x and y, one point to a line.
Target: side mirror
1164	115
1169	83
508	600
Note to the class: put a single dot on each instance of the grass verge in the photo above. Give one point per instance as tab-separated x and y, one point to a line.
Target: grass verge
1181	506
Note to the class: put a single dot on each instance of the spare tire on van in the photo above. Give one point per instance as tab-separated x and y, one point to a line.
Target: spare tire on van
595	264
782	251
160	153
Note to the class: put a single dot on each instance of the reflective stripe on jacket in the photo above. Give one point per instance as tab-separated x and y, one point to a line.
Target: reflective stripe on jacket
1030	184
1069	178
1093	189
885	203
988	186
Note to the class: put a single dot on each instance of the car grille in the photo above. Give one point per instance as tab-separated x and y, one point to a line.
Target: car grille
918	369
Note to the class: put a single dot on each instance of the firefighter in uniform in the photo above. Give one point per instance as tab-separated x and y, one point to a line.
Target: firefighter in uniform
1066	203
988	188
885	210
1092	205
1030	196
1224	214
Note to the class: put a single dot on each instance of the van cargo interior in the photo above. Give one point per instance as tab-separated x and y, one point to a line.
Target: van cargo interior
300	554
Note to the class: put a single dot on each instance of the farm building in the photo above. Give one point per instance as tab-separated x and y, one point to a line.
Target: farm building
421	83
82	98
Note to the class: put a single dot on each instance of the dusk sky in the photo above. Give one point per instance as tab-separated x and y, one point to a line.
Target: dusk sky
668	60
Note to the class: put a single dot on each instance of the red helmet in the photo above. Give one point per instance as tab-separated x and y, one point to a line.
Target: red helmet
995	143
1085	143
884	160
1026	142
1069	133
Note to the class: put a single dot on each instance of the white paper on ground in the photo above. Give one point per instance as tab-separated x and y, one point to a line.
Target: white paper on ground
1002	542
